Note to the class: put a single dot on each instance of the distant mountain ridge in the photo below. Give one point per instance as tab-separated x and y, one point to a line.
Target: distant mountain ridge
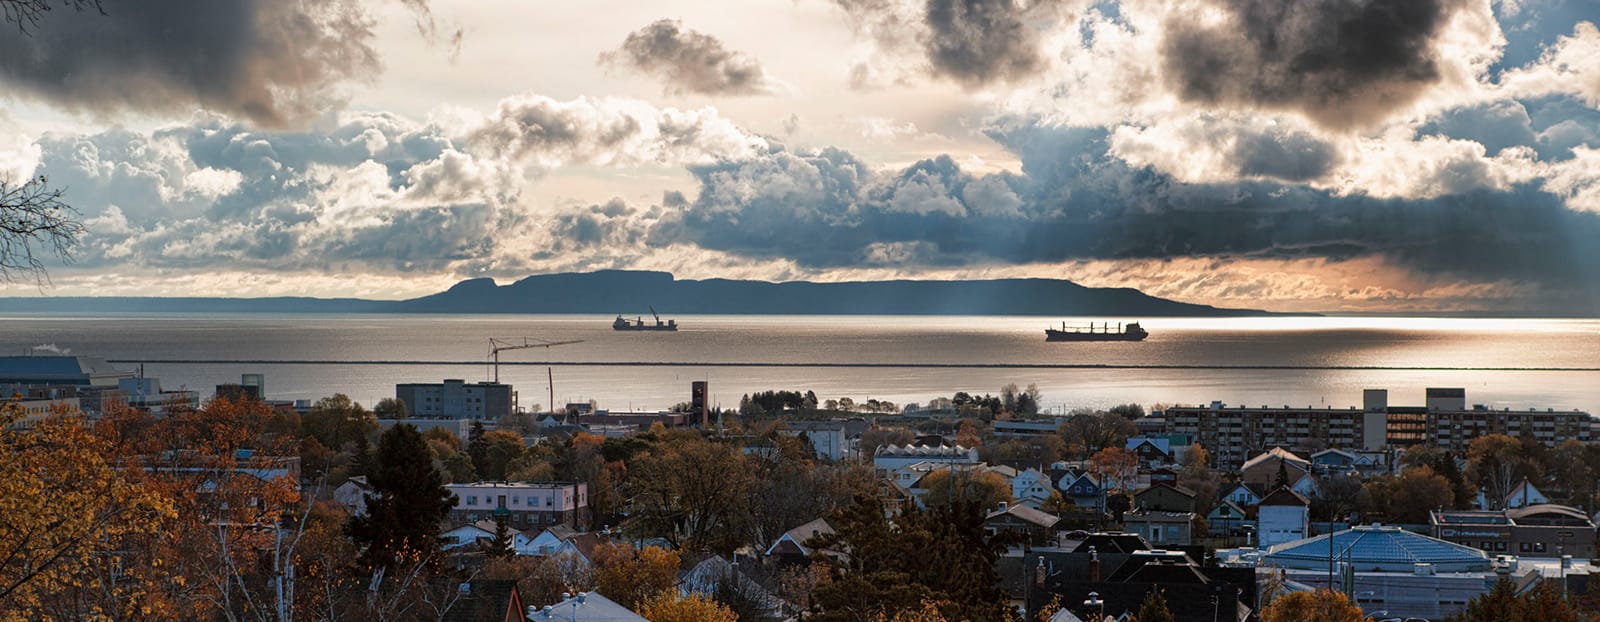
632	292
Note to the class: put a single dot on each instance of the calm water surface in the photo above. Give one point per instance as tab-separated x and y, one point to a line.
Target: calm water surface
1536	363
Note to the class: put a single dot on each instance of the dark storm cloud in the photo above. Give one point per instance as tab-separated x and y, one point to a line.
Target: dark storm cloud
269	61
976	42
972	42
1342	63
686	61
1075	201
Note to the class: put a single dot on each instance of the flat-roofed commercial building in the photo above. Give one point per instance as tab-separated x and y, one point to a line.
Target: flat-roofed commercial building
1545	530
525	504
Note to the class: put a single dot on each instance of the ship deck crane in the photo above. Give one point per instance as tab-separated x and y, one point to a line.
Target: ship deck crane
496	346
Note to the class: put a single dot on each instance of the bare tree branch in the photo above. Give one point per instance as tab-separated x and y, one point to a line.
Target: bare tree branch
33	220
27	13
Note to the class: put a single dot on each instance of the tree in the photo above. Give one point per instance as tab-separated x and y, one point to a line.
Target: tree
501	448
1543	603
1318	606
986	489
337	420
1089	432
33	219
1496	462
390	408
501	545
694	492
876	437
1116	467
1118	504
1129	412
64	513
407	505
669	607
633	576
1154	608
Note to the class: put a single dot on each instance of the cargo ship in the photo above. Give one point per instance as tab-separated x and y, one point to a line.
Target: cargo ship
622	323
1131	332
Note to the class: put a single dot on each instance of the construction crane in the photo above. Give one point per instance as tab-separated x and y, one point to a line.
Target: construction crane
496	346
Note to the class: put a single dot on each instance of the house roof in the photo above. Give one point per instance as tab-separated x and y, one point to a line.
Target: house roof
799	535
1237	512
1113	543
485	600
587	607
1161	444
1159	485
1276	453
1037	517
359	481
585	543
1285	496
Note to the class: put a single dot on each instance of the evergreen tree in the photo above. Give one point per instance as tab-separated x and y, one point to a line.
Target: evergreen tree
502	545
407	505
1154	608
478	448
361	457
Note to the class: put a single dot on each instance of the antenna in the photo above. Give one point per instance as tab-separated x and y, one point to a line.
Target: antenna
498	345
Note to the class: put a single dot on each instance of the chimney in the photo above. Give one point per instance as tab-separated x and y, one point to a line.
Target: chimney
1038	573
1094	565
1002	506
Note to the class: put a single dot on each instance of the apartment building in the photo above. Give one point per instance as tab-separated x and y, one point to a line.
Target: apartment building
526	505
456	399
1234	433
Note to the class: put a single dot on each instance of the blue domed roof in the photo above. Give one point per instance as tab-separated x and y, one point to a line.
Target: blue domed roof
1377	549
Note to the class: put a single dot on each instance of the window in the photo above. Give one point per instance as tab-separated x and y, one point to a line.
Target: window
472	500
1538	547
1522	546
514	500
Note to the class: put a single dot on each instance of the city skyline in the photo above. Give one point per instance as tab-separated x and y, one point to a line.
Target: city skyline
1300	156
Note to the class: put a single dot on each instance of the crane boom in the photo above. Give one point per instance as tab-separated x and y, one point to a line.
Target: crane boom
496	346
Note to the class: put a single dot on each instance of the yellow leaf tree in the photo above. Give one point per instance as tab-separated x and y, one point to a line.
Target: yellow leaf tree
632	576
64	514
1318	606
668	607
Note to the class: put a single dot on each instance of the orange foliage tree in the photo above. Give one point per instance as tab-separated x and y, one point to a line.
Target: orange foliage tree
632	576
669	607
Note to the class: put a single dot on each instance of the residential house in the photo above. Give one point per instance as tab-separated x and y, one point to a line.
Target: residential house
1165	474
546	543
1161	528
794	545
1152	452
1245	495
352	494
468	535
1283	516
1523	495
1031	488
485	600
715	576
1165	497
1120	583
1268	467
1029	524
1085	491
1227	518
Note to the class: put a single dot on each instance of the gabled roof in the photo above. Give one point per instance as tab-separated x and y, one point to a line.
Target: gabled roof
1285	496
799	535
1255	490
1237	512
1161	444
1093	481
1276	453
485	599
1113	543
1159	485
1023	512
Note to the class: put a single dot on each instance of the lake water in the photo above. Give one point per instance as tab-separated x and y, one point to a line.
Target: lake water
1516	363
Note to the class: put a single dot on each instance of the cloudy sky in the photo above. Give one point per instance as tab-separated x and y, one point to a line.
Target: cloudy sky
1329	155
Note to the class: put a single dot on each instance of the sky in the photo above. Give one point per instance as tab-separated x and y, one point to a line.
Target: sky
1387	156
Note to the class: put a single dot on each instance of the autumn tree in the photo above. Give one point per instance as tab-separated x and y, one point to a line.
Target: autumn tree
337	420
64	512
1087	432
693	492
1318	606
669	607
987	489
631	576
876	437
1496	462
1154	607
1115	467
390	408
407	506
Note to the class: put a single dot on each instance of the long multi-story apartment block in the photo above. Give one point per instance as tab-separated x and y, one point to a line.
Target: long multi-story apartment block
1234	433
524	504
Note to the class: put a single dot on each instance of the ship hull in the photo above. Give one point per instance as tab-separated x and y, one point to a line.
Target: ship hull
1056	335
672	329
